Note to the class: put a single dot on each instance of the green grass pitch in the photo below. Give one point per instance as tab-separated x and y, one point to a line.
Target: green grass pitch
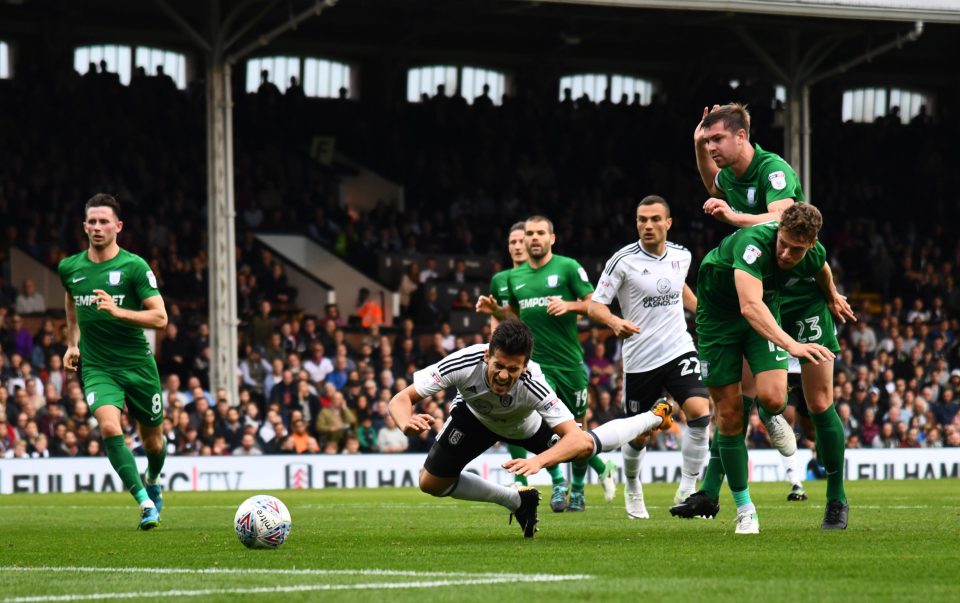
903	544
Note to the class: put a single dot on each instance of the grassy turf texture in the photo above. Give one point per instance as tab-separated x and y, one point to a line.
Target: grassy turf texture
903	544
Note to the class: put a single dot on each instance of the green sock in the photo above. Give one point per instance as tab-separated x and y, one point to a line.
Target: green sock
742	498
126	467
556	475
518	452
599	465
713	477
830	450
155	463
579	473
733	453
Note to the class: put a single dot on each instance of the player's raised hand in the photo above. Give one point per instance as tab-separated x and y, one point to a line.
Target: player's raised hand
699	136
486	304
840	308
105	302
523	466
556	307
71	357
814	352
418	424
623	328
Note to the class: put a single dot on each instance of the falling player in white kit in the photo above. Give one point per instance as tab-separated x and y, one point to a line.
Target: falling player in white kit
648	278
502	396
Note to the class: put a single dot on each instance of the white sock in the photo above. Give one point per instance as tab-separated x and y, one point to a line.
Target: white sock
632	459
694	449
147	504
791	465
474	487
614	434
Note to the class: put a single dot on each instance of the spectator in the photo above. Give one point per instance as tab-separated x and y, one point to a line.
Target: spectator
318	366
409	283
369	311
30	301
301	441
336	420
390	438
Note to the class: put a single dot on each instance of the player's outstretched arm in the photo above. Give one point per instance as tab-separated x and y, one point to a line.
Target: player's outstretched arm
722	212
153	315
574	443
72	355
837	303
601	313
401	409
750	293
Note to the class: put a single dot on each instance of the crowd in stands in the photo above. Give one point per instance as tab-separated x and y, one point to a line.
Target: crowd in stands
320	384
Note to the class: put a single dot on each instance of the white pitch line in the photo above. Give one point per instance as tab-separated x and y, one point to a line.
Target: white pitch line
291	589
294	572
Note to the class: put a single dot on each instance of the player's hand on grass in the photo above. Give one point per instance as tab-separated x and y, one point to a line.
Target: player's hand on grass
556	307
418	424
623	328
487	305
526	467
841	309
814	352
105	302
71	357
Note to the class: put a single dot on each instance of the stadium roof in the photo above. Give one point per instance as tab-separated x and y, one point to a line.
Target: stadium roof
644	36
941	11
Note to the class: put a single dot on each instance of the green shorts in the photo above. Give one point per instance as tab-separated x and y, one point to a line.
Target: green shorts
724	343
812	324
139	387
570	387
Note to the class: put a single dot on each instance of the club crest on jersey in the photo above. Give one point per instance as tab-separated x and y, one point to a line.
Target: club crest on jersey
663	285
113	277
752	196
455	436
778	180
506	401
553	280
751	253
482	406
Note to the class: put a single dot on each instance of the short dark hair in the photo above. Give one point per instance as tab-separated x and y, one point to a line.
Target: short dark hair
513	338
103	200
734	116
654	200
801	220
539	218
518	226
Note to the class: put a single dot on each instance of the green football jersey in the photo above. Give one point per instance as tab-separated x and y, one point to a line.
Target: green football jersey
768	178
753	250
500	287
106	341
556	343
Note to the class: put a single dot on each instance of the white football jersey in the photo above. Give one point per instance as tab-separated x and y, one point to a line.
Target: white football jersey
516	415
650	291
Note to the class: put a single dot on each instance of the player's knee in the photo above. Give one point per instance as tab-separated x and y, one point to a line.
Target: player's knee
434	486
700	421
773	401
729	418
110	429
696	407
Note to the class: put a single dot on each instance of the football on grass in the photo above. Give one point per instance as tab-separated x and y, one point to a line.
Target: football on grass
262	522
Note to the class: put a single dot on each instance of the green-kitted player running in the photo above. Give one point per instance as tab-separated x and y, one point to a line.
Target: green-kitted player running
547	293
111	296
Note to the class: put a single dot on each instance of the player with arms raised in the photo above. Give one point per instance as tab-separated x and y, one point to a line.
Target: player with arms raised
750	186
